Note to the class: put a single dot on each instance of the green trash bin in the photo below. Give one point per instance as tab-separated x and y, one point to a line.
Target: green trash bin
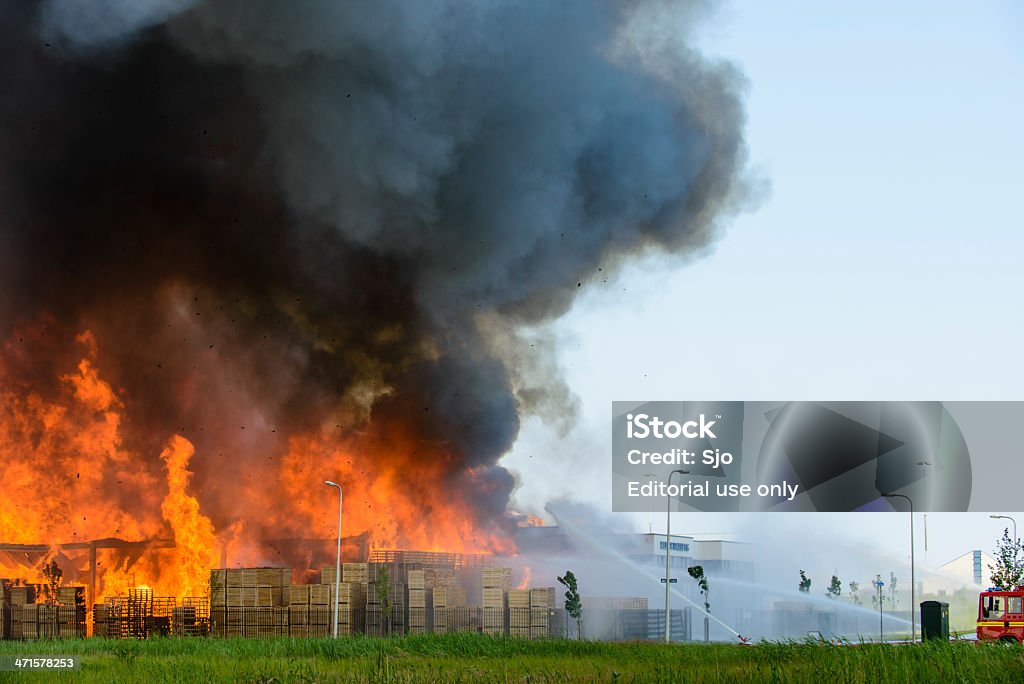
935	620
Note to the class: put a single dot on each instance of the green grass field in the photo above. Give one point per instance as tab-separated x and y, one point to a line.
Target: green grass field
475	658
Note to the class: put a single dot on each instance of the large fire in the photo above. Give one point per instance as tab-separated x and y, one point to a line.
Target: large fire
323	250
68	476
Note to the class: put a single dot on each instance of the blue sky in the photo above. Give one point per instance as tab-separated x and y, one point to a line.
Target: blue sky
884	263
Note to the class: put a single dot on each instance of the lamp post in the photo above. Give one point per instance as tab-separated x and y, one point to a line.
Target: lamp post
927	505
878	587
1015	540
1006	517
913	605
924	465
337	566
668	547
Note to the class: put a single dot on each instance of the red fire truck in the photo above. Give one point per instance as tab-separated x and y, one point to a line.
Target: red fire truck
1001	616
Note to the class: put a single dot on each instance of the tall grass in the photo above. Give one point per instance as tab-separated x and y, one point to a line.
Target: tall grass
474	657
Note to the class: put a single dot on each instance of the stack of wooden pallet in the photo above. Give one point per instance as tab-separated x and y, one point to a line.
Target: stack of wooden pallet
275	578
311	607
497	578
353	572
420	597
439	577
282	620
319	621
351	608
321	603
249	587
99	619
5	609
23	596
183	620
26	617
496	582
417	580
20	597
41	621
234	626
71	620
71	595
248	601
321	595
298	594
298	620
396	573
198	608
375	622
321	609
449	607
542	605
219	586
519	612
298	609
261	621
115	614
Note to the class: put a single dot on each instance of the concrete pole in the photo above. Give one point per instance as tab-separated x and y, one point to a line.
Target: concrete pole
337	565
913	605
668	547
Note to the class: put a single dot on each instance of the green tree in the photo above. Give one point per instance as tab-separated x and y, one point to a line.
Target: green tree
805	583
54	576
697	573
835	588
573	603
383	589
1008	572
878	596
855	592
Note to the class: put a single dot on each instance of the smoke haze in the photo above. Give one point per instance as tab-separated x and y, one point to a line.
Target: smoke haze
311	233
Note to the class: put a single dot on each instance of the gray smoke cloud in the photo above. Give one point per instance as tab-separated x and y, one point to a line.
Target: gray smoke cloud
357	195
101	23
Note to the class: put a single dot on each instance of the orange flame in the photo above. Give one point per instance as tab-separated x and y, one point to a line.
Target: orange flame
403	505
57	454
193	532
527	576
69	476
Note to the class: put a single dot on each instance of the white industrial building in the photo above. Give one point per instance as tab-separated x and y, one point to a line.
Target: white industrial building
969	570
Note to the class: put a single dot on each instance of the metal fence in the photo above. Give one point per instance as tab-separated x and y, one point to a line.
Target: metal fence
143	616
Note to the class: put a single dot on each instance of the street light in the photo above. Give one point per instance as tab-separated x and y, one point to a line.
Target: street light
913	605
1006	517
926	506
878	586
668	546
927	494
337	567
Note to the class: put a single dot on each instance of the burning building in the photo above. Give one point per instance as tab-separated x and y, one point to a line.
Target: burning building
243	251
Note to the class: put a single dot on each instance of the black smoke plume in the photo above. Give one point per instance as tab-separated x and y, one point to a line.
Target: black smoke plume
280	217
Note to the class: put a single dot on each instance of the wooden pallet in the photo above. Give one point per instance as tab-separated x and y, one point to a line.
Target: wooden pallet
543	597
421	598
449	597
497	578
493	597
518	598
353	572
